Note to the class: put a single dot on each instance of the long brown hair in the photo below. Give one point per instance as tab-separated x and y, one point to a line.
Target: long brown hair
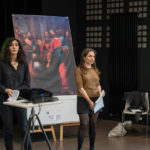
81	64
5	53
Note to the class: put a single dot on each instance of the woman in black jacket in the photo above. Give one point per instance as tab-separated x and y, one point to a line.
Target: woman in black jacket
14	75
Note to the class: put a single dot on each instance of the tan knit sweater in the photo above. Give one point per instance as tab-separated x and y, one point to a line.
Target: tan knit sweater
88	81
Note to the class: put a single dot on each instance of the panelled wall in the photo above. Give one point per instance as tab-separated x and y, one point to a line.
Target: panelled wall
99	12
124	66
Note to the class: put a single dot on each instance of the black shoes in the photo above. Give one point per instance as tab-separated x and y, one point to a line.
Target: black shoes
92	148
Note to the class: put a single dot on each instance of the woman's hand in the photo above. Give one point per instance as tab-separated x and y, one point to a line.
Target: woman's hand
9	92
85	95
92	105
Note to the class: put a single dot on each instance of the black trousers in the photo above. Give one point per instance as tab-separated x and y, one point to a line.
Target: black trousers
8	114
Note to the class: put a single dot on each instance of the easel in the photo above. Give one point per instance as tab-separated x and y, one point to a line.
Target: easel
67	124
51	129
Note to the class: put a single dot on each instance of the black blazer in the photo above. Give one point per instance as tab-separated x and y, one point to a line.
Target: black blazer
13	79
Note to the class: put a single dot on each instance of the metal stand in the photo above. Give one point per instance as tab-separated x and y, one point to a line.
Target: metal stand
31	121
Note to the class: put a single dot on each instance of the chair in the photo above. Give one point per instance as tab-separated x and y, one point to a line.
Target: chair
127	112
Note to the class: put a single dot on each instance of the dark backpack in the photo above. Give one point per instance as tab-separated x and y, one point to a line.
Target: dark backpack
137	100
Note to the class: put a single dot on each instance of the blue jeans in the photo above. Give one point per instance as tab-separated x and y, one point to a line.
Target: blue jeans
8	114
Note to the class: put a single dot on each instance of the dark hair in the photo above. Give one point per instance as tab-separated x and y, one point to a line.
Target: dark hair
5	53
84	54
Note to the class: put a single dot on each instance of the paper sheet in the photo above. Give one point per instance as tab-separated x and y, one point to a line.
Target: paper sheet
99	104
14	96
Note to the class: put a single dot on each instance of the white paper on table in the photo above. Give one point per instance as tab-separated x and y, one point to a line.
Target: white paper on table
15	94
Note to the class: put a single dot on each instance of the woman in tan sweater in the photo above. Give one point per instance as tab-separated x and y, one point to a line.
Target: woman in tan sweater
89	89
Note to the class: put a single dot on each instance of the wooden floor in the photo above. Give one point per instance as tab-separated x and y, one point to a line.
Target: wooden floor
135	139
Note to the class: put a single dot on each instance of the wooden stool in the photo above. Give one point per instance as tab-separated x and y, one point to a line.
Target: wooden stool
51	129
66	124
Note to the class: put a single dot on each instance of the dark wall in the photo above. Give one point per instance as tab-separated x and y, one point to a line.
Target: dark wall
9	7
143	68
122	59
143	57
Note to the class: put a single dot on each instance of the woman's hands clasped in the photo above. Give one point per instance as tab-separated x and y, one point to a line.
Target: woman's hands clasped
92	105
